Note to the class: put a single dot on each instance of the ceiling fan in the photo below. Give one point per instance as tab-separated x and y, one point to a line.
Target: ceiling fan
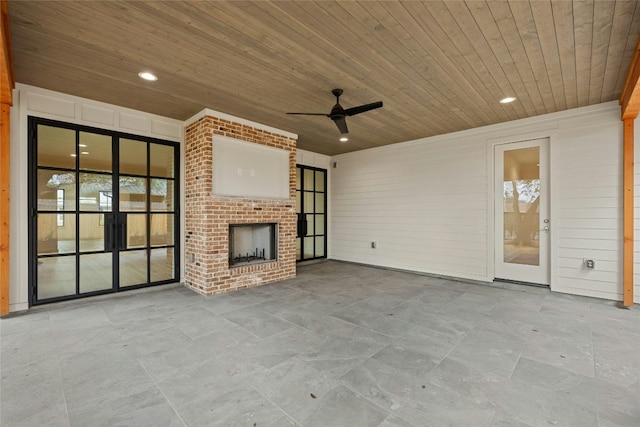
339	114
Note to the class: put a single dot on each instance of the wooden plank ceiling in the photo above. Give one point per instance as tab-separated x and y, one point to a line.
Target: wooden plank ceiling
438	66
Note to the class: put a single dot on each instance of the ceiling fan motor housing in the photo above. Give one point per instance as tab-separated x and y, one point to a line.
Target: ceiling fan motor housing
338	114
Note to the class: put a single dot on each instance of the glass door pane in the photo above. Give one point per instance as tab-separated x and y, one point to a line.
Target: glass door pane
56	147
133	268
95	152
106	215
56	277
96	272
161	160
133	157
133	194
148	189
521	201
162	264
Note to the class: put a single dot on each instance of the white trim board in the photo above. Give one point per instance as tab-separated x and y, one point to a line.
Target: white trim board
229	117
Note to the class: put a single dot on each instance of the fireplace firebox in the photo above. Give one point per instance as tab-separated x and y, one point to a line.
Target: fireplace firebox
252	244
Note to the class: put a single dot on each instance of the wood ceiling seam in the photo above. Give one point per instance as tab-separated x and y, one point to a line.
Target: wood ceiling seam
444	61
503	16
583	36
564	23
374	90
435	70
630	49
417	79
444	20
622	17
417	93
548	68
603	14
257	59
493	74
495	40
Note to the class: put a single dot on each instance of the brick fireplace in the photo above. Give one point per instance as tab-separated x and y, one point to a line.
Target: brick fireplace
208	268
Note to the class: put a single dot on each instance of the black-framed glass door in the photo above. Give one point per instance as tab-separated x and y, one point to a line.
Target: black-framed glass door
311	205
104	211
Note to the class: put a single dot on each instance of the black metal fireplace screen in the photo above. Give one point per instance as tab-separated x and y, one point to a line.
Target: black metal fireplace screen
252	243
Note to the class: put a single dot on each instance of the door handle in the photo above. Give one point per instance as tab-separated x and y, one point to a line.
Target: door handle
545	229
299	226
109	232
122	228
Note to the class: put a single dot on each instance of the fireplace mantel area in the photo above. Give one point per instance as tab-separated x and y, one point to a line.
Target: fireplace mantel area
250	182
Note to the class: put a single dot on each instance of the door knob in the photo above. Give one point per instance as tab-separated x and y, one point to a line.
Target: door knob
545	229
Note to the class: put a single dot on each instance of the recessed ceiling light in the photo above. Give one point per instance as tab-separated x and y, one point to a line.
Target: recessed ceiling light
344	139
82	145
507	100
148	76
72	155
85	152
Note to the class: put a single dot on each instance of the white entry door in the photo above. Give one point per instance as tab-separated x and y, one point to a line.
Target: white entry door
522	222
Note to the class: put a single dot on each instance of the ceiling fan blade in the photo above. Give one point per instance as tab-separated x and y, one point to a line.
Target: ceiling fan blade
311	114
362	108
342	124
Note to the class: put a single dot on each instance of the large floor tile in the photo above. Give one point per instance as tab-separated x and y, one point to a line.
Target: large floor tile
257	321
342	407
32	395
339	345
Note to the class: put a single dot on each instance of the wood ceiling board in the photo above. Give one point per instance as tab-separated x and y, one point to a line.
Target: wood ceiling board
481	56
493	37
602	18
444	91
630	97
456	59
563	19
542	50
631	50
583	35
437	66
505	20
459	93
417	91
623	16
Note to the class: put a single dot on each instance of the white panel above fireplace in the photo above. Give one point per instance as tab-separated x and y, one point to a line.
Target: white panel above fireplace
245	169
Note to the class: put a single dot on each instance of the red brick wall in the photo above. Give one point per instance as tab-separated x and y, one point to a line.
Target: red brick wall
207	217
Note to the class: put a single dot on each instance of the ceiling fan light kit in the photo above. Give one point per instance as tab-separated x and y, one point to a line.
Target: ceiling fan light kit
338	114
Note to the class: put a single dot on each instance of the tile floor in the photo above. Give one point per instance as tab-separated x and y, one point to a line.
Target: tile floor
340	345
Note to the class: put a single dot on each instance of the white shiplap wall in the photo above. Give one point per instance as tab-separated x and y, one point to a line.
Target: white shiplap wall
587	174
424	204
428	203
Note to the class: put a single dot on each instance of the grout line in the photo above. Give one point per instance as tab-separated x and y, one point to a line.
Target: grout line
57	359
271	401
64	395
175	411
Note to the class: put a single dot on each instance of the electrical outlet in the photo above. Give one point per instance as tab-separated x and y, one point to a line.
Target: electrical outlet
373	245
589	263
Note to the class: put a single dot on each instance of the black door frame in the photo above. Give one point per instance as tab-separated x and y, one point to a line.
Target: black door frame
301	229
112	238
